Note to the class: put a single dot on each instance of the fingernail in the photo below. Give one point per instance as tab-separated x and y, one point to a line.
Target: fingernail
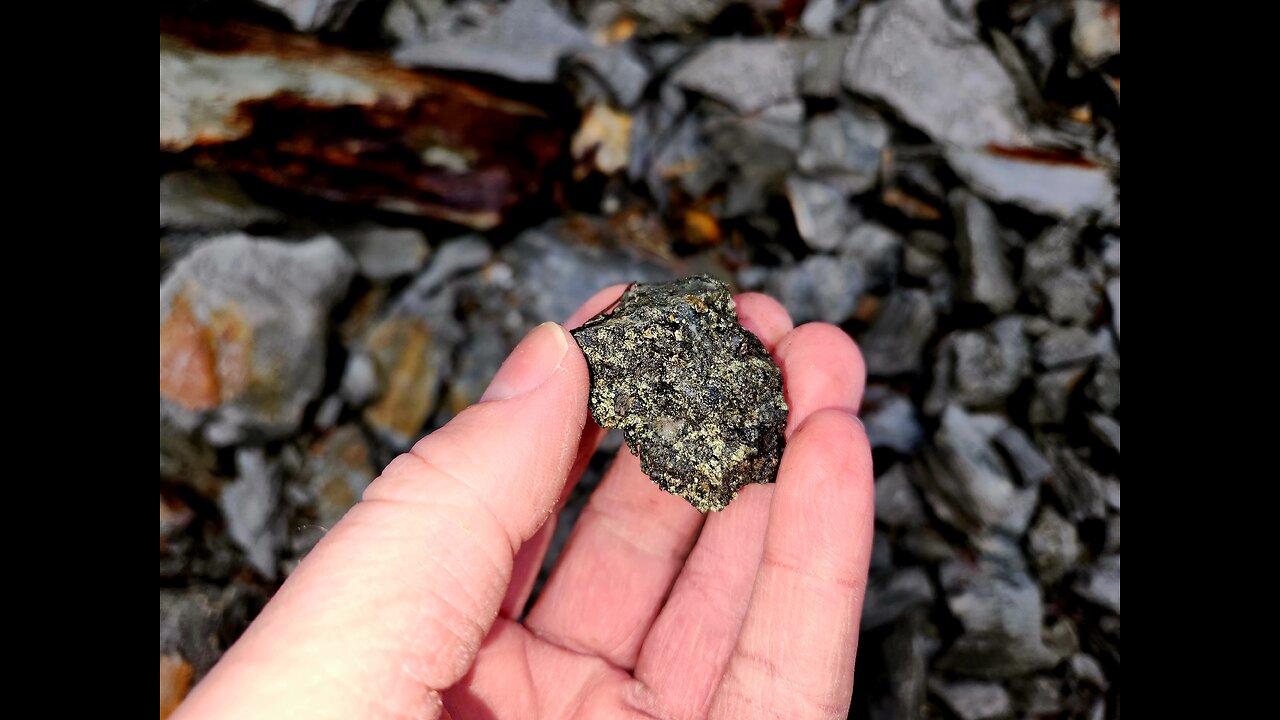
530	364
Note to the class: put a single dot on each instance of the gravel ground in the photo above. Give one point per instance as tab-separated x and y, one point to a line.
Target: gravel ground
365	204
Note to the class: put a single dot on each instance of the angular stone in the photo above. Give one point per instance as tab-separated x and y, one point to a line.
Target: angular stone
845	148
890	420
1100	584
1052	398
1040	183
891	598
1001	611
409	365
242	333
747	75
1080	491
1113	297
197	623
936	72
973	700
895	341
1031	465
204	200
897	500
981	369
968	484
300	115
821	212
1069	296
820	287
1107	430
697	396
907	654
524	42
1065	346
987	278
251	508
384	253
1054	546
879	249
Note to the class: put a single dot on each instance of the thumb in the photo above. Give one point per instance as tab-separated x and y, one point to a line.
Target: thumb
391	607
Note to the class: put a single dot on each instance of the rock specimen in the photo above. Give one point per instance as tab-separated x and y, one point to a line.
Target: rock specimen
697	396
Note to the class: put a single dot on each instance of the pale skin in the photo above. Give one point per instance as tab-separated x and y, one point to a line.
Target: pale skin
411	606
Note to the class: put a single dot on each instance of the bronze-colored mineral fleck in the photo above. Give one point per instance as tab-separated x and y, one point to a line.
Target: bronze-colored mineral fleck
697	396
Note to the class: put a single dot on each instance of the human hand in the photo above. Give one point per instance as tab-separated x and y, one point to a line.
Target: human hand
411	605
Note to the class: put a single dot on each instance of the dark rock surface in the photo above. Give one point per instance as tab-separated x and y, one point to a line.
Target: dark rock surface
696	395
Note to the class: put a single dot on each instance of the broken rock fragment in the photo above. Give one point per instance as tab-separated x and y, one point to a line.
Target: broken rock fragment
242	333
696	395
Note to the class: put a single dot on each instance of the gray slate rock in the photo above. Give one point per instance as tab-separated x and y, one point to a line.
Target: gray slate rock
524	41
1051	400
1100	584
1051	251
1113	297
968	485
973	700
879	249
1031	465
251	506
936	73
748	75
384	253
1065	346
981	368
1107	430
890	420
1069	296
1000	609
897	500
1055	189
894	343
820	287
845	148
907	653
242	334
821	212
208	201
1079	489
890	598
1054	546
986	278
198	623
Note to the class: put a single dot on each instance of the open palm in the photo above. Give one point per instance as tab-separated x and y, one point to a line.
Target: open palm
412	605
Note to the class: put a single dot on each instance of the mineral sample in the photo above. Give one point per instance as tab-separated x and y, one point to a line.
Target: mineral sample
696	395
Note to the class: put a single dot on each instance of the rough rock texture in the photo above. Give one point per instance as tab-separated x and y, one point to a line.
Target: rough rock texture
203	200
697	396
242	325
935	72
747	75
1055	187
